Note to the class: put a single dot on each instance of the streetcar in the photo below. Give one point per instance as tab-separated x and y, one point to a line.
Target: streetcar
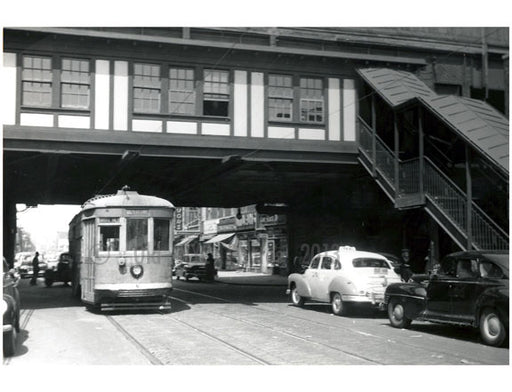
121	245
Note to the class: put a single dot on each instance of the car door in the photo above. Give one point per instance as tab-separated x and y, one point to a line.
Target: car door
324	278
464	290
311	276
438	304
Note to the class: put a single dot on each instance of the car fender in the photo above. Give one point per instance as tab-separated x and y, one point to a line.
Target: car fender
342	285
411	295
9	315
302	285
494	297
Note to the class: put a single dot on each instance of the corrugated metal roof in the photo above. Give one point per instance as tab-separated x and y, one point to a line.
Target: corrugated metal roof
477	122
395	87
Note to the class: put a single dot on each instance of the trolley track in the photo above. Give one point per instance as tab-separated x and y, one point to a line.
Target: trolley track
406	345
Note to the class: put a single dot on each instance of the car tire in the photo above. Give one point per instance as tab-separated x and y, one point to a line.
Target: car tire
339	308
396	314
492	330
48	282
296	298
10	342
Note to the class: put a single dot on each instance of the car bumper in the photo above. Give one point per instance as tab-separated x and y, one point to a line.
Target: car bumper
7	328
374	298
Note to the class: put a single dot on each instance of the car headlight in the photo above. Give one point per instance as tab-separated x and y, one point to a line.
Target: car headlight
5	306
136	271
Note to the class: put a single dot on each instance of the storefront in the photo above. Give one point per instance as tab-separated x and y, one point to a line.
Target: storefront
272	229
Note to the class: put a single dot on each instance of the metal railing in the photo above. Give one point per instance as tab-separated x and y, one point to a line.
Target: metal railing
441	190
485	233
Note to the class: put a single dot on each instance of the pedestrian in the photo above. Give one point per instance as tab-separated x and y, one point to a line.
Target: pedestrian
210	266
35	269
431	264
404	267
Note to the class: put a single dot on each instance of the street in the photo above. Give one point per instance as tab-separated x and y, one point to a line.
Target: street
225	323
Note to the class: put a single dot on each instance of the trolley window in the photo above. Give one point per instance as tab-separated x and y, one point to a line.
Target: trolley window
136	234
109	237
161	234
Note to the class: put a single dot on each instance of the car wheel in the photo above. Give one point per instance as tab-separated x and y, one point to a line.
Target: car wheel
339	308
396	314
48	282
296	298
492	329
10	343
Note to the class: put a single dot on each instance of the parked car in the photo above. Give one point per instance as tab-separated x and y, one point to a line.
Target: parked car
10	309
23	265
194	266
60	272
343	277
469	288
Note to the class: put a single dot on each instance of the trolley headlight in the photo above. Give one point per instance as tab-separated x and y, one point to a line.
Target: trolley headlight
136	271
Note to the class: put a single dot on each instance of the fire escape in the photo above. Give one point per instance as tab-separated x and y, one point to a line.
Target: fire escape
422	181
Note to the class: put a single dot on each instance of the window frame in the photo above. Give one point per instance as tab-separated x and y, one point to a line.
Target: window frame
79	83
193	92
273	95
303	99
24	79
140	85
204	93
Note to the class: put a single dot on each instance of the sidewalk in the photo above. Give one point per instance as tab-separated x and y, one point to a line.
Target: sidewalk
251	278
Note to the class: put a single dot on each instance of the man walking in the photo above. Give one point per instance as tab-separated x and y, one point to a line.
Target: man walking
35	269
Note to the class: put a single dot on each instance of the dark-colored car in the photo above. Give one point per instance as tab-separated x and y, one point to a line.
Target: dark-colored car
469	288
61	272
10	309
194	266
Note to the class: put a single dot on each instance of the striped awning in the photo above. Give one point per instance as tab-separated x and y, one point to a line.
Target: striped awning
220	238
187	240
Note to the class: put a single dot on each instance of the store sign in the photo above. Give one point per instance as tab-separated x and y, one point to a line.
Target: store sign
268	220
247	222
226	225
178	219
210	226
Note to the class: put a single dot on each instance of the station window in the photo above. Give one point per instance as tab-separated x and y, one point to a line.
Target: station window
75	83
136	234
146	88
280	97
182	95
311	100
216	93
161	232
37	81
109	238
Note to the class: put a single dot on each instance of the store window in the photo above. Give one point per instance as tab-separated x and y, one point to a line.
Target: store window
280	97
75	84
37	81
216	93
161	234
136	234
182	95
311	100
146	88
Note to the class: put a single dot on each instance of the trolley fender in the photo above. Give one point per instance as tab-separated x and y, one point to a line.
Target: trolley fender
302	285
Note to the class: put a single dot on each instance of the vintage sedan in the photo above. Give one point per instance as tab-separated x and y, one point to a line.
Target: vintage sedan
10	309
469	288
194	266
343	277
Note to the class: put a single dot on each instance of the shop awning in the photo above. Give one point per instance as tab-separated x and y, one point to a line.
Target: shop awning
220	238
187	240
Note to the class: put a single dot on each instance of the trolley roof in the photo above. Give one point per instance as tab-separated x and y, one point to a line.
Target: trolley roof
126	198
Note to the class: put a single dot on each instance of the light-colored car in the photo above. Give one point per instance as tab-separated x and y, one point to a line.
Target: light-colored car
343	277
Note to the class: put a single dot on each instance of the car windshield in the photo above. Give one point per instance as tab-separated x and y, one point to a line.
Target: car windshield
366	262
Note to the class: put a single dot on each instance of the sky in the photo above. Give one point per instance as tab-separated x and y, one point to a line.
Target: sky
44	221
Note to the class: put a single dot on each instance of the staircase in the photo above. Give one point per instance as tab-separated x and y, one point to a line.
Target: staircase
421	184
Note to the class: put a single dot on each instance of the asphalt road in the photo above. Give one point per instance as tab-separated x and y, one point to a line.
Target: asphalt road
227	324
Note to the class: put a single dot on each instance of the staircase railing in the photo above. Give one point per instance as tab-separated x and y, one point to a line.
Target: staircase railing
440	189
485	233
